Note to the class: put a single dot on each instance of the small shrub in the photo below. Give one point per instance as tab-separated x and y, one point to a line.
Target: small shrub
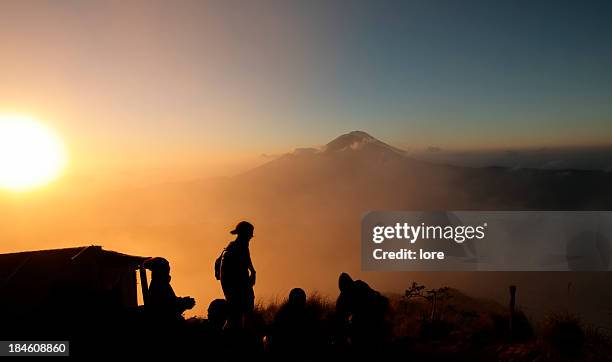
436	329
522	330
564	335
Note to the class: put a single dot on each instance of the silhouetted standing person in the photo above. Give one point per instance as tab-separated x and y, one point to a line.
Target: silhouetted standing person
237	275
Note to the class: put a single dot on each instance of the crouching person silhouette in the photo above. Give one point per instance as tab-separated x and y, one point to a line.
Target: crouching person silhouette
163	305
361	310
237	276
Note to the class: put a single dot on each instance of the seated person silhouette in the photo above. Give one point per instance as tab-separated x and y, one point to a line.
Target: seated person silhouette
217	315
213	330
163	305
294	332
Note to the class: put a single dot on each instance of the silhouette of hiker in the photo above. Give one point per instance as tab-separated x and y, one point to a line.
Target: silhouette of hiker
217	314
293	331
361	310
237	275
213	336
163	305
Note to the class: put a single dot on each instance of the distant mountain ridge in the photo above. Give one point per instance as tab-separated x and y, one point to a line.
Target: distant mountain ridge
357	140
364	172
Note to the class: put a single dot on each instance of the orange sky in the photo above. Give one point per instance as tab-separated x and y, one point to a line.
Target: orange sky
153	89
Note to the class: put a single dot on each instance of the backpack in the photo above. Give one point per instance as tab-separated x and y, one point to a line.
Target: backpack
218	263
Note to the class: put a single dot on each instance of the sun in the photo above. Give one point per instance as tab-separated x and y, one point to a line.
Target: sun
31	154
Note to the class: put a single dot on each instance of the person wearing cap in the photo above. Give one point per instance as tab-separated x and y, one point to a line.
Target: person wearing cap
163	304
238	275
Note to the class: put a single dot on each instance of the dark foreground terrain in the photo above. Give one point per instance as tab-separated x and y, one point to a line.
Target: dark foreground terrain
457	327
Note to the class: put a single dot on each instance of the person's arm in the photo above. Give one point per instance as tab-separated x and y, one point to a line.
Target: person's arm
180	304
251	268
185	303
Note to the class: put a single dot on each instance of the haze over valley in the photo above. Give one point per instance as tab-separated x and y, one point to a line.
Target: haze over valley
306	206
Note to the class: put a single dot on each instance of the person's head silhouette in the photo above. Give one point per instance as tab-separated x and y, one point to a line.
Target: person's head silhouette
297	298
345	282
159	267
243	231
217	313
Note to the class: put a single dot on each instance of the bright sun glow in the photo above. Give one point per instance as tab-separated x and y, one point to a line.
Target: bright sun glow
31	154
